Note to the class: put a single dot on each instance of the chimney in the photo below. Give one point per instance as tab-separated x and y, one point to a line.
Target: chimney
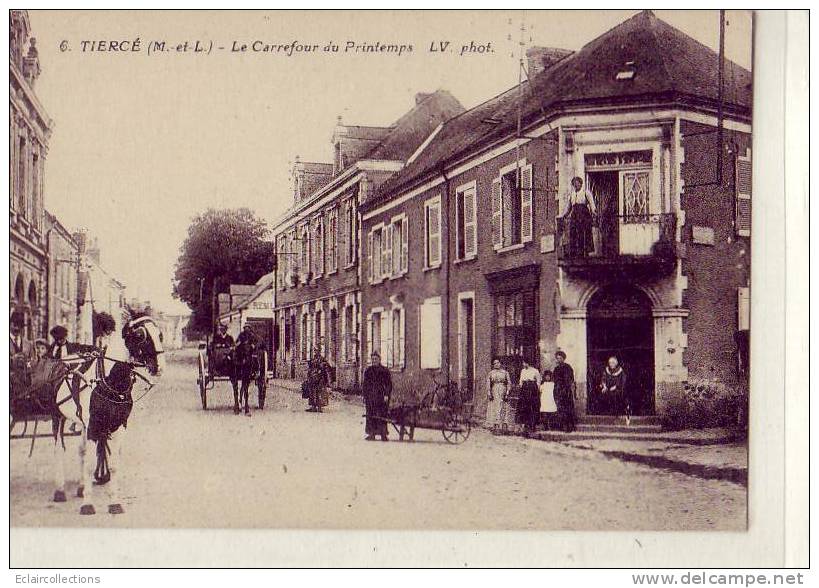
542	58
421	96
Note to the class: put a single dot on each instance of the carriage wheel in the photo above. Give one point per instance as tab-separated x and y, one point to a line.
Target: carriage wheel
261	383
457	430
202	381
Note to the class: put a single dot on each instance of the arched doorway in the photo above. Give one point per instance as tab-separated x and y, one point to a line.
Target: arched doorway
620	323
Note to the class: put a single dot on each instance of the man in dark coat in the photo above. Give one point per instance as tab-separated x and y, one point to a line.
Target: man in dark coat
563	376
62	347
376	388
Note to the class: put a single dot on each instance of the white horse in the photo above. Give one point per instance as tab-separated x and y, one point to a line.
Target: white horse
94	397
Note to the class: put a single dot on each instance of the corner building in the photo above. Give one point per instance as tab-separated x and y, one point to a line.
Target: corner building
487	268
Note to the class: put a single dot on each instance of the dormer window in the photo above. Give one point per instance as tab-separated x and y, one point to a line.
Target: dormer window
627	73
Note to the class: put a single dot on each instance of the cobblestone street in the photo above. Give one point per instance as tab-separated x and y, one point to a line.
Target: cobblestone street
286	468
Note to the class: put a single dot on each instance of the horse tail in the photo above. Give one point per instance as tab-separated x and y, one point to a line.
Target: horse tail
102	473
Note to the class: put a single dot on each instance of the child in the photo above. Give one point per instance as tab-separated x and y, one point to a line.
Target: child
548	406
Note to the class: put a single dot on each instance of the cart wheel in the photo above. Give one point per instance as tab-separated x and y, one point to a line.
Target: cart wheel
457	430
261	383
202	381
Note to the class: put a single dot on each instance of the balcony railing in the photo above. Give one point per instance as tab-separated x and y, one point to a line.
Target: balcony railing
621	242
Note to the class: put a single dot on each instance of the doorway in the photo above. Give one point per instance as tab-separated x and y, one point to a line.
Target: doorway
466	330
620	324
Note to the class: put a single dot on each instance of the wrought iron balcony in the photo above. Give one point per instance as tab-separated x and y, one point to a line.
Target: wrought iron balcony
626	245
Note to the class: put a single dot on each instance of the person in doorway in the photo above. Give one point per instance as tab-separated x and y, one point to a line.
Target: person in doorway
613	388
580	213
529	404
548	406
498	386
18	346
376	388
564	391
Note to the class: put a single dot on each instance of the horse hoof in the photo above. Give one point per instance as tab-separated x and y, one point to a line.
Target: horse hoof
115	509
80	492
87	509
59	496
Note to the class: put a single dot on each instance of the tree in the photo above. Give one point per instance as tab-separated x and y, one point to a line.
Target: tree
223	247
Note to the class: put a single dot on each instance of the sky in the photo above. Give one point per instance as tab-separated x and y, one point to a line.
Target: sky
143	142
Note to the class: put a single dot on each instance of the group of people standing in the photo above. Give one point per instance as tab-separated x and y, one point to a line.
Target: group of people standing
546	398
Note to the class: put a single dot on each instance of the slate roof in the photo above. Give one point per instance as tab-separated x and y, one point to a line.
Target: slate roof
669	66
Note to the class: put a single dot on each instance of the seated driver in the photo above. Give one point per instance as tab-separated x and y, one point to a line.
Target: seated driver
221	341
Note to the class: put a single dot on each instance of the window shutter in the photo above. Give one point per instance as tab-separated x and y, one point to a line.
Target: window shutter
526	204
743	309
386	338
470	224
402	361
743	195
497	219
386	247
370	272
369	329
404	245
434	234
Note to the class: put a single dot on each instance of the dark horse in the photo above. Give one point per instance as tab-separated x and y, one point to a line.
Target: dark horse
90	389
244	369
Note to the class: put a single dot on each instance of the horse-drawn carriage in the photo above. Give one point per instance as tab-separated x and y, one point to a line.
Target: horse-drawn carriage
238	365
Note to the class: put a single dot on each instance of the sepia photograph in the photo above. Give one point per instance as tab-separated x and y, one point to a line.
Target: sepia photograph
381	270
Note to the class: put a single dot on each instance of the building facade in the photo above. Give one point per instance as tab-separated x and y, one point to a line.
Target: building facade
63	266
489	266
29	131
97	290
318	300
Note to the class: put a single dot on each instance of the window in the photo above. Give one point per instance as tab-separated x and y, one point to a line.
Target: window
332	241
304	335
743	195
348	338
515	320
635	195
397	330
466	223
374	332
21	176
743	309
431	333
512	207
286	334
318	334
304	249
432	232
350	234
317	247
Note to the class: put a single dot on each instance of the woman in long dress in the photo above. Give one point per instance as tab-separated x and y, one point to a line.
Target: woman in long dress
498	385
613	388
529	404
580	212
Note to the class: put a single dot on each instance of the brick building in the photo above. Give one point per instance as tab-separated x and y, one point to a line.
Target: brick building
317	297
660	133
29	131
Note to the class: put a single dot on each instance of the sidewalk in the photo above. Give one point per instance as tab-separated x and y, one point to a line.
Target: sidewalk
704	453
